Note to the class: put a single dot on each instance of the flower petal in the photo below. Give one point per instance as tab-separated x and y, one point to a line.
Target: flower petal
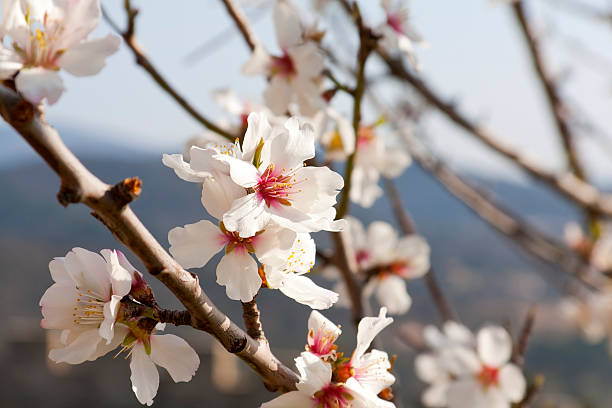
293	399
391	293
88	270
183	169
237	271
512	382
193	245
88	57
219	193
435	395
10	62
278	95
494	346
175	355
145	378
368	328
121	279
287	25
248	216
79	350
305	291
314	373
36	84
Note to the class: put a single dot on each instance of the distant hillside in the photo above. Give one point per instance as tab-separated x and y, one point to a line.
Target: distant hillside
485	277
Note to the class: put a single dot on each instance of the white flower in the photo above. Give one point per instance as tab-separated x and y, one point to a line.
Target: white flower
592	314
372	159
84	301
385	262
287	275
335	133
168	351
397	31
316	389
47	36
294	76
485	378
280	188
322	336
432	367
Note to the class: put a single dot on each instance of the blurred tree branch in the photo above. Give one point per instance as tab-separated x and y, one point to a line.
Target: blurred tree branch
141	59
79	185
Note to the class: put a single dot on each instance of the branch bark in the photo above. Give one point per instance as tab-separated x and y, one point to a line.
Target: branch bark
79	185
242	23
568	185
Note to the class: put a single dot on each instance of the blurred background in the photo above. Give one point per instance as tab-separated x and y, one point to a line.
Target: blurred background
119	122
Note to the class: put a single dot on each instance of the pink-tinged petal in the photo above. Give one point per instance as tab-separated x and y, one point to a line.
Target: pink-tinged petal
317	323
107	326
308	93
79	350
415	250
382	240
494	346
289	150
237	271
293	399
36	84
193	245
10	62
372	371
57	305
363	398
219	193
303	290
125	263
461	361
175	355
368	328
391	293
275	242
465	394
145	378
13	17
435	395
512	382
458	333
258	63
307	59
316	189
59	273
119	333
121	278
89	271
89	57
183	170
287	25
278	94
80	18
314	373
247	216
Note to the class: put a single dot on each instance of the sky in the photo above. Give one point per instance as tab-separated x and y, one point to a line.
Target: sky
475	56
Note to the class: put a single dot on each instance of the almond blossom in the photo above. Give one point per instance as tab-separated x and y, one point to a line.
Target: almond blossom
84	303
331	381
335	133
280	188
592	314
397	31
168	351
432	367
295	75
484	377
46	36
385	262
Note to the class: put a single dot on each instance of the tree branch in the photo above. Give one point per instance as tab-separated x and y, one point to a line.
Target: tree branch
568	185
523	338
242	23
252	322
79	185
141	59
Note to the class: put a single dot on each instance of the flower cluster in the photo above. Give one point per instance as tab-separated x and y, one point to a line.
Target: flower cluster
384	262
46	36
464	372
266	202
328	379
100	303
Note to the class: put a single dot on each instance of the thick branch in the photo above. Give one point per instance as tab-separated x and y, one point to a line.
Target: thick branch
175	317
408	227
583	194
141	59
252	322
79	185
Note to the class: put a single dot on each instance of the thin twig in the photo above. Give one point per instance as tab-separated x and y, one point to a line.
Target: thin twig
532	390
252	320
523	338
568	185
141	59
79	185
408	227
242	23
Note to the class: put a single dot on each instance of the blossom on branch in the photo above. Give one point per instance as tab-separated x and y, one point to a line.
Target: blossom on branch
327	379
89	302
397	31
468	375
46	36
294	76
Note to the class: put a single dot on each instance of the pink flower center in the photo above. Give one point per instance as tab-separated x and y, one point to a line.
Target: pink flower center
332	396
395	22
274	187
321	343
365	136
488	376
362	256
283	66
233	241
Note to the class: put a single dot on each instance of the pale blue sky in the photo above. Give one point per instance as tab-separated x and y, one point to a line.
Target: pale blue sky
475	56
